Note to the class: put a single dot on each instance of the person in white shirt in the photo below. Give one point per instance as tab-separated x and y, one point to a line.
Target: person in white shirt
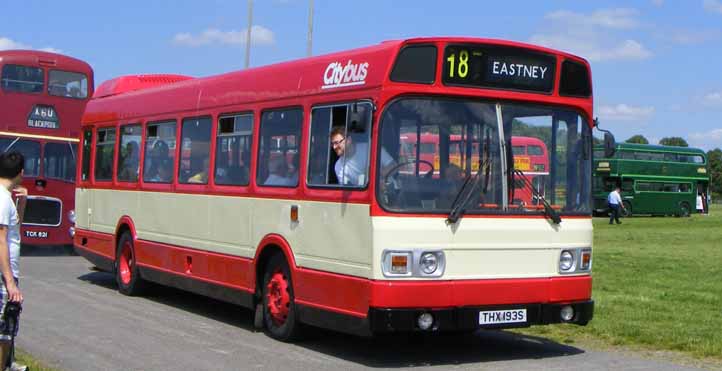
11	217
352	164
614	200
700	204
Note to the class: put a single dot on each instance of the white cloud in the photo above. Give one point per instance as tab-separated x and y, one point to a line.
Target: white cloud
714	6
713	99
617	18
658	2
708	140
594	50
692	37
596	36
259	36
624	112
6	44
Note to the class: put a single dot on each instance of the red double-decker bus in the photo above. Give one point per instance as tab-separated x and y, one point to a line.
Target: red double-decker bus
43	96
296	189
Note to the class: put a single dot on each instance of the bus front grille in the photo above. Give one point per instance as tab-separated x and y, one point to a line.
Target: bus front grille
42	211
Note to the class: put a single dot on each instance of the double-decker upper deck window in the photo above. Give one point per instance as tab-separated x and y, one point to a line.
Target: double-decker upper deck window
59	161
233	149
195	151
22	79
30	149
339	153
574	80
87	143
104	152
159	152
278	152
67	84
129	153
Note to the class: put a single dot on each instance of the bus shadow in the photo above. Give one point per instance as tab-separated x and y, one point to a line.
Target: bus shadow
449	349
390	351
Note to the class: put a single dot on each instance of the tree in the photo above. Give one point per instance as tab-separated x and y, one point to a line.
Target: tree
639	139
673	141
714	159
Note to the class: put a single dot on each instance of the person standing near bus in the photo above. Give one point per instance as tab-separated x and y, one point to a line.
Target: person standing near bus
614	200
11	216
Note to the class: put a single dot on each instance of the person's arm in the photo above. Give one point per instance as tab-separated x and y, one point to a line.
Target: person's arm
21	194
14	294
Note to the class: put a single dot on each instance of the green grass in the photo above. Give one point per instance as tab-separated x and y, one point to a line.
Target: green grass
657	284
32	363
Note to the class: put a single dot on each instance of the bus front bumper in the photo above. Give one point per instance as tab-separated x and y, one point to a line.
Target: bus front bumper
471	318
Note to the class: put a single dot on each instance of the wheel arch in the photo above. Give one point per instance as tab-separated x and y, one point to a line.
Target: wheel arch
125	224
269	246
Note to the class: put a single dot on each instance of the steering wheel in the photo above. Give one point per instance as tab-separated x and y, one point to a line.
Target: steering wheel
397	167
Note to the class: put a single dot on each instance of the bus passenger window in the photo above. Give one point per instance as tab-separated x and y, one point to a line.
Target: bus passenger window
104	151
30	150
159	152
67	84
233	149
339	153
129	155
195	151
22	79
278	151
87	143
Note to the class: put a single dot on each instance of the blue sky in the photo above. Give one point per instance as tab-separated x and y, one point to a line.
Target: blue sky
657	64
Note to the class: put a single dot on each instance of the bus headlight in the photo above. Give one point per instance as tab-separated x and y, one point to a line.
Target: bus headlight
71	216
566	261
71	232
428	263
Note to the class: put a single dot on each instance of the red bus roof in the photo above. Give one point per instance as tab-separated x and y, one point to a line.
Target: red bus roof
305	77
38	58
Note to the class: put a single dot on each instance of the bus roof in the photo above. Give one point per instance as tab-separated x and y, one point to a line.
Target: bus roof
44	59
631	147
364	69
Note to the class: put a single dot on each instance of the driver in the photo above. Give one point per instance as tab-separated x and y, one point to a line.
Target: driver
352	164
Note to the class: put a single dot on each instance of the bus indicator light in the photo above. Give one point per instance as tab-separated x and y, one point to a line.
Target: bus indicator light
586	260
399	264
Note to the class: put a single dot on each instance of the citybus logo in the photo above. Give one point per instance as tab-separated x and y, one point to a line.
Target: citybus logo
337	75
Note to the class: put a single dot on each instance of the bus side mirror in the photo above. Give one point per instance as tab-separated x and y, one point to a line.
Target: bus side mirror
609	145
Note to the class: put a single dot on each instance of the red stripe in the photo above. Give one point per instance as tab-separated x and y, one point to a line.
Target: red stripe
99	243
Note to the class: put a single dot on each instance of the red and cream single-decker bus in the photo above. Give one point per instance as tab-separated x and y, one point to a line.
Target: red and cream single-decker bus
292	188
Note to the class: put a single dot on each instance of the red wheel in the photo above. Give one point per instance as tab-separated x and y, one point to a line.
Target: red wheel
279	308
126	269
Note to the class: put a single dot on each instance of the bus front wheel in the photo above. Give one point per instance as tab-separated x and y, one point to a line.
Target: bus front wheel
126	268
684	209
627	208
279	307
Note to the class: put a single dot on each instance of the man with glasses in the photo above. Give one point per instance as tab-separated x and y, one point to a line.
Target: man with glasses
352	164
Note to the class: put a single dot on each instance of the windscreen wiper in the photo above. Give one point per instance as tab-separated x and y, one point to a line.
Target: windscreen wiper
548	210
471	183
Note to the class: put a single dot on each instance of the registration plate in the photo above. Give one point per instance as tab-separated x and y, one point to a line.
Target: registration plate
493	317
36	234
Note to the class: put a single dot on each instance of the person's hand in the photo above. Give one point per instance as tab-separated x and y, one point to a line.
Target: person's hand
14	294
20	191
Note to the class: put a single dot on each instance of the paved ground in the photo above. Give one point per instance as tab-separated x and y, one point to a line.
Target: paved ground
75	320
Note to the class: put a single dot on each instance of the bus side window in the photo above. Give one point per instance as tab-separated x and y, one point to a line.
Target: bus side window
129	153
104	152
628	186
233	149
159	152
278	156
195	151
87	142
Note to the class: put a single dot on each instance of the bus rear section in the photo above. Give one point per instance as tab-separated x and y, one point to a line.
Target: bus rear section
48	93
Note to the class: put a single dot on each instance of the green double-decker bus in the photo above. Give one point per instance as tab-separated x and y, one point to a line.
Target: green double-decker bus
655	180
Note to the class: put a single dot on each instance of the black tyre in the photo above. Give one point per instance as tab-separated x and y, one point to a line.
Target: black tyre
684	209
279	307
627	212
126	269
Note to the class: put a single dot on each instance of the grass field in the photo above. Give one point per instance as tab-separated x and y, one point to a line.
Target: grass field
657	284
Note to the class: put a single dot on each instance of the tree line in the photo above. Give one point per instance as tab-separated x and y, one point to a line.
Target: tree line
714	158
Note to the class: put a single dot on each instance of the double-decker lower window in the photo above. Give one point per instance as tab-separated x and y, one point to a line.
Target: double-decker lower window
195	151
30	149
233	149
129	153
278	153
159	152
59	161
104	152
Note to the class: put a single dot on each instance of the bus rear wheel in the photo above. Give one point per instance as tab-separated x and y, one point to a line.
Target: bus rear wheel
279	307
126	268
684	209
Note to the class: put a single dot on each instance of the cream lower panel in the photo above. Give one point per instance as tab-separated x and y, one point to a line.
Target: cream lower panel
331	237
82	207
481	248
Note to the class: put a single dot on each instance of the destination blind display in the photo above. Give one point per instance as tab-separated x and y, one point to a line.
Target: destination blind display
43	117
498	67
